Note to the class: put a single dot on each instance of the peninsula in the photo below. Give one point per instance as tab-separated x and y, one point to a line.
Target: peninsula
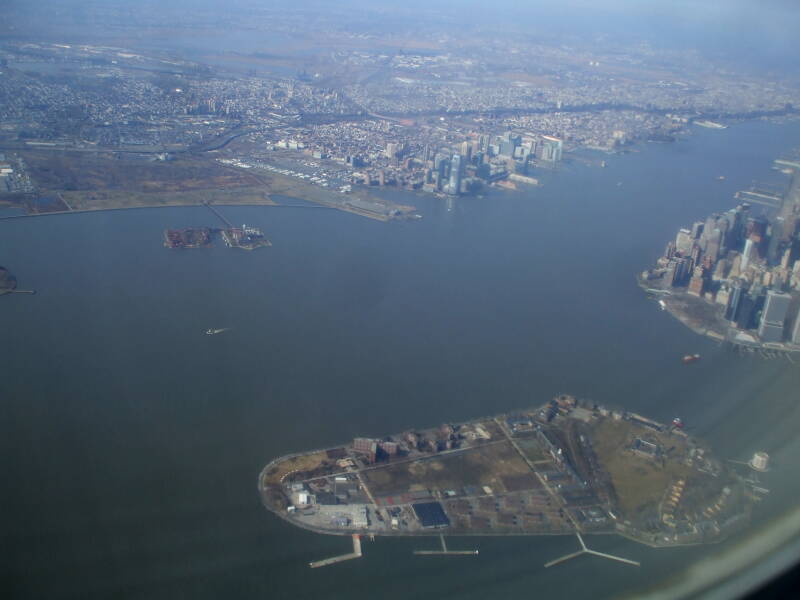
566	467
736	275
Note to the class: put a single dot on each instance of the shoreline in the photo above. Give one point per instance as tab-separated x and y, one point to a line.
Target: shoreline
319	206
707	330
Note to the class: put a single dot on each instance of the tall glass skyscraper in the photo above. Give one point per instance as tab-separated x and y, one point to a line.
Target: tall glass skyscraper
454	187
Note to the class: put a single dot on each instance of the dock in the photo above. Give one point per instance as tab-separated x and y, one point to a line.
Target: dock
444	551
356	553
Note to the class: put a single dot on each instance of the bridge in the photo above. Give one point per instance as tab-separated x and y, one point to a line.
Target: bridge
221	217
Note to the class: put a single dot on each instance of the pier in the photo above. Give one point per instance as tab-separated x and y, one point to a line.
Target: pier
356	553
444	551
585	550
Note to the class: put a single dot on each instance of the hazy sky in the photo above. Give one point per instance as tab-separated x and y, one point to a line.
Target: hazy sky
760	31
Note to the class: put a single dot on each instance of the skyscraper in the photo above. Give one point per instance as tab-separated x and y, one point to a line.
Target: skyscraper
745	311
773	317
796	333
454	187
466	150
552	148
683	241
746	254
734	298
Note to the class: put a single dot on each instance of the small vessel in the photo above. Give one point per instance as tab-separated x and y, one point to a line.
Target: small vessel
662	304
690	358
215	331
677	423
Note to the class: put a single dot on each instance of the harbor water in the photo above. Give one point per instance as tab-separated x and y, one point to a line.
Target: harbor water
130	441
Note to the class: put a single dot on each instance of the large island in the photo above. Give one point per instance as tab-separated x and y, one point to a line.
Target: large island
562	468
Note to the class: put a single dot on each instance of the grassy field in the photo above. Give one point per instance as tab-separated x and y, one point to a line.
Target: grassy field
305	462
73	171
102	181
107	199
531	447
639	482
487	465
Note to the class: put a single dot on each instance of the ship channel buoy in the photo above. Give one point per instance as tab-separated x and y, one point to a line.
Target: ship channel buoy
760	461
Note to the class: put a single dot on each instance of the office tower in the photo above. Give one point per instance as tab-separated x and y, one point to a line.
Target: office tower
697	282
677	271
508	144
683	241
734	299
697	229
721	270
773	316
454	186
786	259
552	148
746	254
442	168
695	254
796	333
774	245
723	296
746	310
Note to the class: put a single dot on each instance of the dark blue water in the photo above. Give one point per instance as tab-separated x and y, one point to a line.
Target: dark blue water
130	442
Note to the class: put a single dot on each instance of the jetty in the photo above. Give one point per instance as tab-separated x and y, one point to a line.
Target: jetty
585	550
356	553
444	551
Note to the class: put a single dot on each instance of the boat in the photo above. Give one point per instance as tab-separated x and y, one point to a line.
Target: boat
677	423
662	304
215	331
690	358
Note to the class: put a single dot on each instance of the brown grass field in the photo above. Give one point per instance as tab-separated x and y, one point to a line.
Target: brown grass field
485	465
639	482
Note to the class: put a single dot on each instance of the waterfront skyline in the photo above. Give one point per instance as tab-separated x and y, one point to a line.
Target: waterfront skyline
735	276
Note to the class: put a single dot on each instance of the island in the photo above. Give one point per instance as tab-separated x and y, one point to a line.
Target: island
566	467
244	237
